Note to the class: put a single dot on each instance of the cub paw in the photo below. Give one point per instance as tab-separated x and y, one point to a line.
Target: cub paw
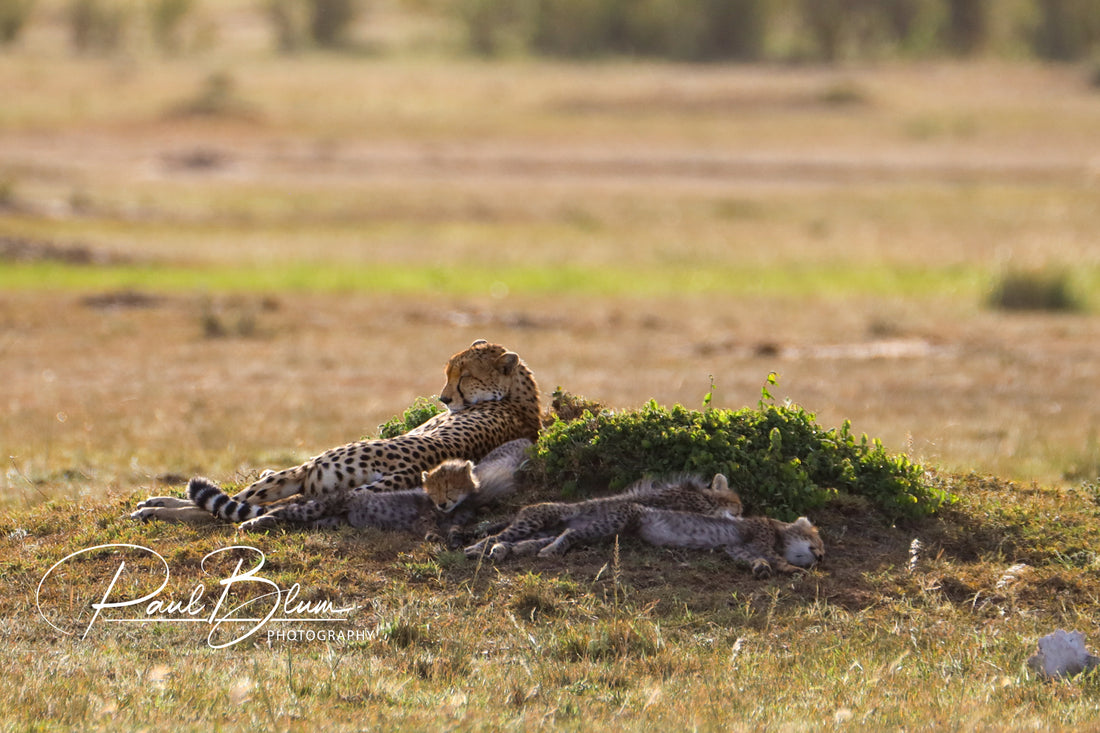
761	569
474	551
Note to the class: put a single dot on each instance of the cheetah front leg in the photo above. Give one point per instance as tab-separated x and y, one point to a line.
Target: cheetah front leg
522	548
529	521
762	565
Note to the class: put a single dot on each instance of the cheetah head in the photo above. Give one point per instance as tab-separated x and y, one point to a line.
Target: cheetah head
482	373
802	546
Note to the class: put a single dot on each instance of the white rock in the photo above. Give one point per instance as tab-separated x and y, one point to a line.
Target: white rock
1062	654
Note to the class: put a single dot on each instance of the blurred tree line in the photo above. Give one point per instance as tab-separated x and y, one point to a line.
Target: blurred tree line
800	30
685	30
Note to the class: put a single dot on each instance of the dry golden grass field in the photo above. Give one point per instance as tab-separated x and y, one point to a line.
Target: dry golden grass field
230	261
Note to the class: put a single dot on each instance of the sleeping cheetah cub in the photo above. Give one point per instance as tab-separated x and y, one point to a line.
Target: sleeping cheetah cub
459	488
410	510
764	544
538	525
426	511
457	484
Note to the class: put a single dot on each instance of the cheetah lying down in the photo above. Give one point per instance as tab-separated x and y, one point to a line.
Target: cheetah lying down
491	396
763	543
452	494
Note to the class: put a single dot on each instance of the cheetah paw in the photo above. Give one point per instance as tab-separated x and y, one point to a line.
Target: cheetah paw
499	551
261	523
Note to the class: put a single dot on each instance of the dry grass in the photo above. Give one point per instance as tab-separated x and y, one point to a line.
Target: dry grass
882	636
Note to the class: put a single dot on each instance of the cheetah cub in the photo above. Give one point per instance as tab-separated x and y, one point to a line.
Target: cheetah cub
459	488
536	526
410	510
456	484
763	543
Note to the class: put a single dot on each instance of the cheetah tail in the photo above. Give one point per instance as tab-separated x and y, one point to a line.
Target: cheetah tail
206	494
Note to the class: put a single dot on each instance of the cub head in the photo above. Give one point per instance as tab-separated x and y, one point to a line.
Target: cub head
802	546
482	373
728	501
449	483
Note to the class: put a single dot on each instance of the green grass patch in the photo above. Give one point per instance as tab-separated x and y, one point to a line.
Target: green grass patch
472	280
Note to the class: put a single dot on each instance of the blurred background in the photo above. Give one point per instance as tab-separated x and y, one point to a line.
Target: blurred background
236	233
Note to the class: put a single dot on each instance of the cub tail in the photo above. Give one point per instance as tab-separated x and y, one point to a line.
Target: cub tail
496	473
206	494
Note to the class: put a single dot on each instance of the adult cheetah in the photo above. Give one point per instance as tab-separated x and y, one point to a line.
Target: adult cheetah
491	397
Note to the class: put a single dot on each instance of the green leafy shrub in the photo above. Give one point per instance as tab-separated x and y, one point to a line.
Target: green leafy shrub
13	17
1045	290
325	23
777	457
166	19
421	410
695	30
97	26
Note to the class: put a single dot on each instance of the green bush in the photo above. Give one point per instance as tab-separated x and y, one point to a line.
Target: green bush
325	23
166	19
493	26
330	20
777	457
421	410
1067	29
97	26
692	30
1041	290
13	16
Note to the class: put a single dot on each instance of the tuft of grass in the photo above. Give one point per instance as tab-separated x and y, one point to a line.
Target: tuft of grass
217	96
1035	290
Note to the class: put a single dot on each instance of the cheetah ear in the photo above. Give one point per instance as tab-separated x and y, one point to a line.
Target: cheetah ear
508	362
719	483
803	523
423	477
479	342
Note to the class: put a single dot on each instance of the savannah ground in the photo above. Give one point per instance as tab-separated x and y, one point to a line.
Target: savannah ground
188	289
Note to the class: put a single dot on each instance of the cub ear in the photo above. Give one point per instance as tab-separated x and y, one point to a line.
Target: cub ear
803	523
479	342
719	483
423	477
470	466
508	362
